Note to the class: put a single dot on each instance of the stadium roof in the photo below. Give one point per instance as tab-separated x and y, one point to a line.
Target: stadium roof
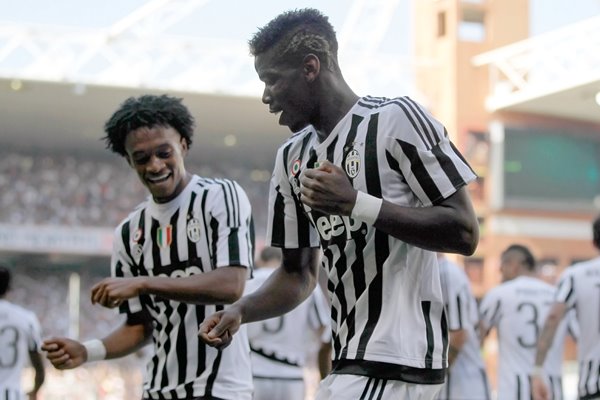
553	74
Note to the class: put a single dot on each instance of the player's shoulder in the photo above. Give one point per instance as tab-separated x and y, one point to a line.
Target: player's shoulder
402	105
583	269
297	138
220	184
19	312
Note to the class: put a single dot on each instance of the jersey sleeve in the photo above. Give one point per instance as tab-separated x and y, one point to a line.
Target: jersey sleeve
232	228
490	310
565	289
121	265
420	150
287	224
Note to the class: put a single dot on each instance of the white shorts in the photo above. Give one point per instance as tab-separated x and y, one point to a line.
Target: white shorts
344	387
278	389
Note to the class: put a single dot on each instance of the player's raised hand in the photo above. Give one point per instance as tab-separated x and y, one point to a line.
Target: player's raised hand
64	353
327	189
111	292
218	329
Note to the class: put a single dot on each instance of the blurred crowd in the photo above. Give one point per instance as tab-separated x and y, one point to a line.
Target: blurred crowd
76	190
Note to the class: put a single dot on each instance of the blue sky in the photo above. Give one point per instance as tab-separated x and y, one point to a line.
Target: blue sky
237	20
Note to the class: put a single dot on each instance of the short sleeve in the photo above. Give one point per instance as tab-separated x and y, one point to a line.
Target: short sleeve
490	310
231	225
420	149
287	224
121	264
565	292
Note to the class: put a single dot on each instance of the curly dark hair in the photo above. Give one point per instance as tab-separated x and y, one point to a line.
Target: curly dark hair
4	280
147	111
295	33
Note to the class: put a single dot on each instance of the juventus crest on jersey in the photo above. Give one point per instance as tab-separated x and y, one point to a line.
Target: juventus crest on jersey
387	309
207	226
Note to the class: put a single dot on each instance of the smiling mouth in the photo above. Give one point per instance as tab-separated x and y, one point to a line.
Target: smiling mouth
158	179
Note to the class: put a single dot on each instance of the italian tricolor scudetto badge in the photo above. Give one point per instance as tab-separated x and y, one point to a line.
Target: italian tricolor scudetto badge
164	236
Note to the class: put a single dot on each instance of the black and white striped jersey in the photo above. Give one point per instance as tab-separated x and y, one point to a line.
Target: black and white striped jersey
518	309
579	288
207	226
387	309
20	333
467	378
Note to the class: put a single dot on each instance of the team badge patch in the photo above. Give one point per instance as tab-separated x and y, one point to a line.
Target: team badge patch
193	230
296	167
164	236
137	235
352	164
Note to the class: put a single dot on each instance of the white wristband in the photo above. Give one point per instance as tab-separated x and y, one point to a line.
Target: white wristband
537	371
95	350
366	207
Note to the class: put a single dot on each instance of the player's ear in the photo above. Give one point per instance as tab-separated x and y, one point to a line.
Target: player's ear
184	146
311	67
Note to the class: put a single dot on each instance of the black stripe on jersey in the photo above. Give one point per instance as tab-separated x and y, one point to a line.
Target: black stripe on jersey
210	381
233	243
173	247
518	388
349	145
426	308
200	315
203	208
181	344
141	269
382	250
494	317
423	134
423	119
444	326
459	308
155	249
331	149
418	169
164	381
191	246
366	390
572	284
226	202
278	234
486	384
214	227
448	166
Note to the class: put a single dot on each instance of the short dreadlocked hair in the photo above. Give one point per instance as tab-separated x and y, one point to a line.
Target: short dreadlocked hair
296	33
147	111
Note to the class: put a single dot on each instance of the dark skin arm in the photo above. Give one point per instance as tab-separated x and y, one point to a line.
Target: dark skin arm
38	366
457	340
539	388
220	286
324	359
287	287
66	353
449	226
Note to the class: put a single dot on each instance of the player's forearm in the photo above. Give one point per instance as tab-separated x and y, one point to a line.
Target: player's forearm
126	340
281	293
220	286
38	366
547	334
456	342
287	287
450	227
